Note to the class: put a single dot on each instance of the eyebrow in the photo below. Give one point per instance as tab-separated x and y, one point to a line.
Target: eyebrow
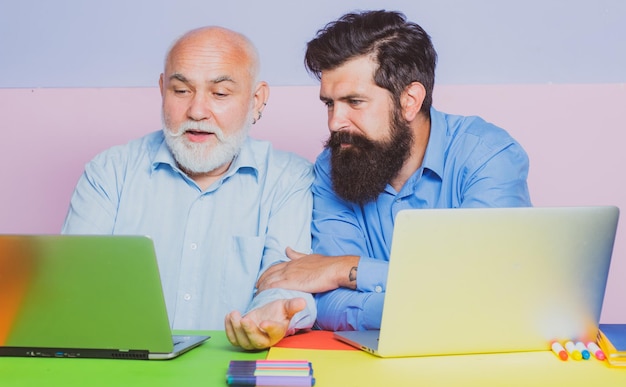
344	98
223	78
179	77
220	79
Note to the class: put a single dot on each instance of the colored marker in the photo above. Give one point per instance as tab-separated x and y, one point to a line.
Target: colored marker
269	367
270	372
583	350
558	350
270	362
292	381
572	351
596	351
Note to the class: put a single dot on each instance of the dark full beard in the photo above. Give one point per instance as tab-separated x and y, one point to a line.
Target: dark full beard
361	172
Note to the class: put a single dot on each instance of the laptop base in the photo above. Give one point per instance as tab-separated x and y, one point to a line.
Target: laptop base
185	344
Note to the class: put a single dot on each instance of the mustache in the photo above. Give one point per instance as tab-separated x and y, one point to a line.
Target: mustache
336	139
196	126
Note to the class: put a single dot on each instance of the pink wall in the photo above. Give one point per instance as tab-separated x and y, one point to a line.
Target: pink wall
574	135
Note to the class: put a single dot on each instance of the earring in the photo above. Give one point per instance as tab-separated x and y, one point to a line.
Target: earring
254	120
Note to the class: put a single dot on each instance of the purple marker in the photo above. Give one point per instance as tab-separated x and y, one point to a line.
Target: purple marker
295	381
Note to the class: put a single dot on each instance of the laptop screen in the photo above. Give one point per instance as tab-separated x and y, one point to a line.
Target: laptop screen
81	292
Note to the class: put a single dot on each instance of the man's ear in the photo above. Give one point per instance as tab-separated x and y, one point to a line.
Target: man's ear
261	95
412	99
161	84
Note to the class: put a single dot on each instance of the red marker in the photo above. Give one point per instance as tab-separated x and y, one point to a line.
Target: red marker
558	350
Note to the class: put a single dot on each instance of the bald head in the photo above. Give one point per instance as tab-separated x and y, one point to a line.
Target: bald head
213	40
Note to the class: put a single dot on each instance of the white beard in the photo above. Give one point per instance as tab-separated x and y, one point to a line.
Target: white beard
198	158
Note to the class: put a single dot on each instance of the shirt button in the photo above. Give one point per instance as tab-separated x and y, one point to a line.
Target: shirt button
187	297
378	289
193	246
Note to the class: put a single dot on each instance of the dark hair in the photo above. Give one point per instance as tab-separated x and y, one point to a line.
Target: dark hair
402	49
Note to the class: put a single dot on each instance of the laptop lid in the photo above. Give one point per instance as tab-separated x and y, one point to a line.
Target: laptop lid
493	280
83	296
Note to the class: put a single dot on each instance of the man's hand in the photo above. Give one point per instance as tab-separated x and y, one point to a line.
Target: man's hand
312	273
264	326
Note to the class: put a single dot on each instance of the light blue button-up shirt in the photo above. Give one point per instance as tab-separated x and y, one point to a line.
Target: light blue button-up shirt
211	245
468	163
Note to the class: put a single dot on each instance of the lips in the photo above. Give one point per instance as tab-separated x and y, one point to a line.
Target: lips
197	132
198	135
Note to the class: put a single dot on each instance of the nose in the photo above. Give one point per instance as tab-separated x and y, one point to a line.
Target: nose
337	118
199	107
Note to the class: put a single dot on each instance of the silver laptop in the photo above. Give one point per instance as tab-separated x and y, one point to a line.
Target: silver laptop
84	296
464	281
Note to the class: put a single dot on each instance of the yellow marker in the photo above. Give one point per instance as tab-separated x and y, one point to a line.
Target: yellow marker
583	350
574	353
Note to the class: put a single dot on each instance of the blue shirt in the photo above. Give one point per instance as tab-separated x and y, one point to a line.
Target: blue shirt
211	246
468	163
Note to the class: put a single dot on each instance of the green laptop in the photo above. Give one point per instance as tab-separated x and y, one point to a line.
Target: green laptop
73	296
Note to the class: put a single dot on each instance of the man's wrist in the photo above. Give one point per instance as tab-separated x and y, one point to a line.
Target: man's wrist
352	274
349	271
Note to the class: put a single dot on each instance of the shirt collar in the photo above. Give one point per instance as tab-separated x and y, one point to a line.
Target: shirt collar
437	142
163	156
244	160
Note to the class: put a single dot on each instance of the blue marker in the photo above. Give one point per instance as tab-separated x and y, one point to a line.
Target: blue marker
583	350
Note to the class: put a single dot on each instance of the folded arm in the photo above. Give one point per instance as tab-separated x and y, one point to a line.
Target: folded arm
496	180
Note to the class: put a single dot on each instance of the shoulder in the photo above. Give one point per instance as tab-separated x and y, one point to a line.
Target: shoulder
471	142
472	129
139	148
136	155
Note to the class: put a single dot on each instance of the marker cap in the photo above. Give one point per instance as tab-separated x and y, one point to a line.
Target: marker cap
596	351
573	351
580	346
558	350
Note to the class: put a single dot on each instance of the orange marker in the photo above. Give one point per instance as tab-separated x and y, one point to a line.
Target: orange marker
558	350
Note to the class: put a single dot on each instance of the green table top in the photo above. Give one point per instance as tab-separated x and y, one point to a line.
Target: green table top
202	366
